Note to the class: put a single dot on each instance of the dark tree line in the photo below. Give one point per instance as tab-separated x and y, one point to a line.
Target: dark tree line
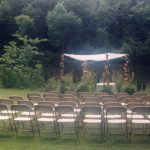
79	26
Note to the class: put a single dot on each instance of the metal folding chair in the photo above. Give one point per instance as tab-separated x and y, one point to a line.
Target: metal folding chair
116	121
45	117
5	118
92	119
22	123
140	121
66	119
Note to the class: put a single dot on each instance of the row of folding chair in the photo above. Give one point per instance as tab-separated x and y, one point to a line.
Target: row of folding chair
58	119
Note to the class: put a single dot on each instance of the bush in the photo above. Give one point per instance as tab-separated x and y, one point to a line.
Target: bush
130	89
22	78
83	87
107	89
52	84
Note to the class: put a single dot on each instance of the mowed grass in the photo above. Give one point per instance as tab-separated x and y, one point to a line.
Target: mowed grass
66	143
5	93
35	143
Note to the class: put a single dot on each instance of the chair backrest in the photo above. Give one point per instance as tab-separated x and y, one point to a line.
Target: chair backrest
141	110
20	108
53	99
109	104
89	99
48	103
45	95
16	98
106	96
70	99
90	104
64	109
35	99
130	105
33	94
3	107
91	110
67	103
116	110
106	100
139	94
122	98
68	95
6	101
121	94
133	100
26	102
43	108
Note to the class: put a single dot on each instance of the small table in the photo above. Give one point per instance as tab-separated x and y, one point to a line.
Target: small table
99	87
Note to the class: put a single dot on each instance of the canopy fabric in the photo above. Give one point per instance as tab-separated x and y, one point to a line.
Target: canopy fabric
96	57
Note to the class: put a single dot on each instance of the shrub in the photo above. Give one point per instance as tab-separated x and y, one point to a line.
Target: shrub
83	87
129	88
52	84
107	89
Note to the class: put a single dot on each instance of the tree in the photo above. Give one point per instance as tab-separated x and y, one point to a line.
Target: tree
25	24
63	27
21	63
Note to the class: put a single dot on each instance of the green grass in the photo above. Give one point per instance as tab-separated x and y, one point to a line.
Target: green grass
35	143
5	93
13	143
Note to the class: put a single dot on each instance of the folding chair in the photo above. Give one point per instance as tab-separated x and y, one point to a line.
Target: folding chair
22	123
66	120
116	121
54	100
30	105
15	98
46	95
141	123
33	94
45	117
5	118
92	120
35	99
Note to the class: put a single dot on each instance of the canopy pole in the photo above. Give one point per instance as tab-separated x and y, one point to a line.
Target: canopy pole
62	67
107	79
126	72
85	71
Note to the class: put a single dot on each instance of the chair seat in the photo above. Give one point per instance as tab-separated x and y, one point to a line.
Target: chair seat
135	116
22	119
140	121
45	119
65	120
4	117
112	116
92	120
92	116
68	115
47	114
28	113
9	112
116	121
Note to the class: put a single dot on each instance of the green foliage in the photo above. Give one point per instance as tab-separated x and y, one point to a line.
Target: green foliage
129	88
20	63
25	24
119	82
62	26
52	84
83	87
107	89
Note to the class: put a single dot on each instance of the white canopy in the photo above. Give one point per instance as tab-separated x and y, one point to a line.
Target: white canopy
96	57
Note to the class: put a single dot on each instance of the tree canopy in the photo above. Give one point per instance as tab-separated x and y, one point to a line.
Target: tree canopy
79	26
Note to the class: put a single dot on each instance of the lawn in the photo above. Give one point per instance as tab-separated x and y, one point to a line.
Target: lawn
65	143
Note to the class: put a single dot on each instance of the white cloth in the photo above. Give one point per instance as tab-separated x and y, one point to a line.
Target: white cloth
96	57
